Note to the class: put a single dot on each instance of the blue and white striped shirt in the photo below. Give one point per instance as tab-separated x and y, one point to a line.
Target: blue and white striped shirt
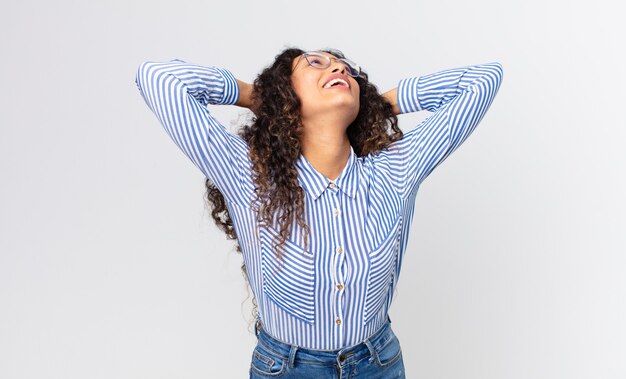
337	292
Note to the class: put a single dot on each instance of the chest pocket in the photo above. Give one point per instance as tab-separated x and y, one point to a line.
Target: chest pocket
288	281
382	269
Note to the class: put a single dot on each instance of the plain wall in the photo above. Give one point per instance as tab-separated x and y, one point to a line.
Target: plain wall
111	266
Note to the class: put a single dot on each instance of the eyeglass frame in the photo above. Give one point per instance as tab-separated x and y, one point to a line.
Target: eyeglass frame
351	65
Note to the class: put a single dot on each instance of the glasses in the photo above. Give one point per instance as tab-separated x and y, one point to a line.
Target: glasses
321	61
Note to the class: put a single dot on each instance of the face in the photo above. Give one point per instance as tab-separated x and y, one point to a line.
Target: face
325	90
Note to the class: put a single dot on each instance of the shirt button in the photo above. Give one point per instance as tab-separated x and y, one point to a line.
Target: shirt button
338	321
332	185
336	212
339	250
339	287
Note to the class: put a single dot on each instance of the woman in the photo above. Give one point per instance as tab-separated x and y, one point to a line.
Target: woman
319	193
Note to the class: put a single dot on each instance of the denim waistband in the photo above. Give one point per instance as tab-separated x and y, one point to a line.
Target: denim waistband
295	354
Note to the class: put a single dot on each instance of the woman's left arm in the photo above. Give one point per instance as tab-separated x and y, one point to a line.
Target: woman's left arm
459	98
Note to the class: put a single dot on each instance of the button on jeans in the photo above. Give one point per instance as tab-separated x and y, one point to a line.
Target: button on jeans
379	357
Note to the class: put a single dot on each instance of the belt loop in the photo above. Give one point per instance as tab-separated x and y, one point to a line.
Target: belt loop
292	355
370	347
257	327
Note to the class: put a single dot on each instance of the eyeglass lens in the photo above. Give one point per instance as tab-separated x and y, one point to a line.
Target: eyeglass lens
322	61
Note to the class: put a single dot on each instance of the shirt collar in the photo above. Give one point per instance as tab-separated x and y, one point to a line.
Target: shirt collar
315	183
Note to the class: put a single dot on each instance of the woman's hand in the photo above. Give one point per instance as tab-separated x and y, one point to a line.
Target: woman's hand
245	96
392	98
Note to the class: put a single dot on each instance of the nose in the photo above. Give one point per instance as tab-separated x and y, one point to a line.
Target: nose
338	67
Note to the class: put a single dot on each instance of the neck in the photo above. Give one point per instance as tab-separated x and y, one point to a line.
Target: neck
326	146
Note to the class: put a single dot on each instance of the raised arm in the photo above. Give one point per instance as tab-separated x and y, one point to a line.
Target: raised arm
178	93
459	97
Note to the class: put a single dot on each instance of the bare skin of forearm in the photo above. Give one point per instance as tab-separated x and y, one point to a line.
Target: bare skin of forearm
245	94
392	98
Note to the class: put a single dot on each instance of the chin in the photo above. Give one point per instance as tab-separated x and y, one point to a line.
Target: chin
348	103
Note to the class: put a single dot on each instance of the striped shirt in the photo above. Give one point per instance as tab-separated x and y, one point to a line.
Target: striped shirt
337	291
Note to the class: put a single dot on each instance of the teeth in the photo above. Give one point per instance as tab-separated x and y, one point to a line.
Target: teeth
334	81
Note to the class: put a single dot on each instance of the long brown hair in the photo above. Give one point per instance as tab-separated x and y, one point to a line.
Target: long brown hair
273	138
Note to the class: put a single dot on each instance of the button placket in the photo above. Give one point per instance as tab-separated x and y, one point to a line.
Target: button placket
339	260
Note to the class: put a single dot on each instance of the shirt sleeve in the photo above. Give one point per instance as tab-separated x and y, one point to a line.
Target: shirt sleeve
459	98
178	93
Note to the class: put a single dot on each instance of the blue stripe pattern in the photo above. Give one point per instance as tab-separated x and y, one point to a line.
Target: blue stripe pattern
336	292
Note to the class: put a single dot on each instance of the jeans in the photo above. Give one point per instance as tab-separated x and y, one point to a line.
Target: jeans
378	357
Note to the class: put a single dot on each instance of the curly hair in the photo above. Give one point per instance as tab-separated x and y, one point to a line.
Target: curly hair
274	145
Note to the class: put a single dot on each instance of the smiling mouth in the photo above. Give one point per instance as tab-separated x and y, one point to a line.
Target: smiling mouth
336	83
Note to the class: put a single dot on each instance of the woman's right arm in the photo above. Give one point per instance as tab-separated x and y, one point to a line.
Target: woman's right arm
178	93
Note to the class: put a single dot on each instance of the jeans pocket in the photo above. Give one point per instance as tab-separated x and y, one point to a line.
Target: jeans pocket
265	363
389	351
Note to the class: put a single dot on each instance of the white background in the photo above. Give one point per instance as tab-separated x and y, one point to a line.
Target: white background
111	267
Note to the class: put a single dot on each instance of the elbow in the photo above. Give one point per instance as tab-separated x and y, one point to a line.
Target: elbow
490	77
496	72
140	73
150	72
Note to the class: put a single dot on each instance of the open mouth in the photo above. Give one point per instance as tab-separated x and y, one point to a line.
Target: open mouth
336	83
